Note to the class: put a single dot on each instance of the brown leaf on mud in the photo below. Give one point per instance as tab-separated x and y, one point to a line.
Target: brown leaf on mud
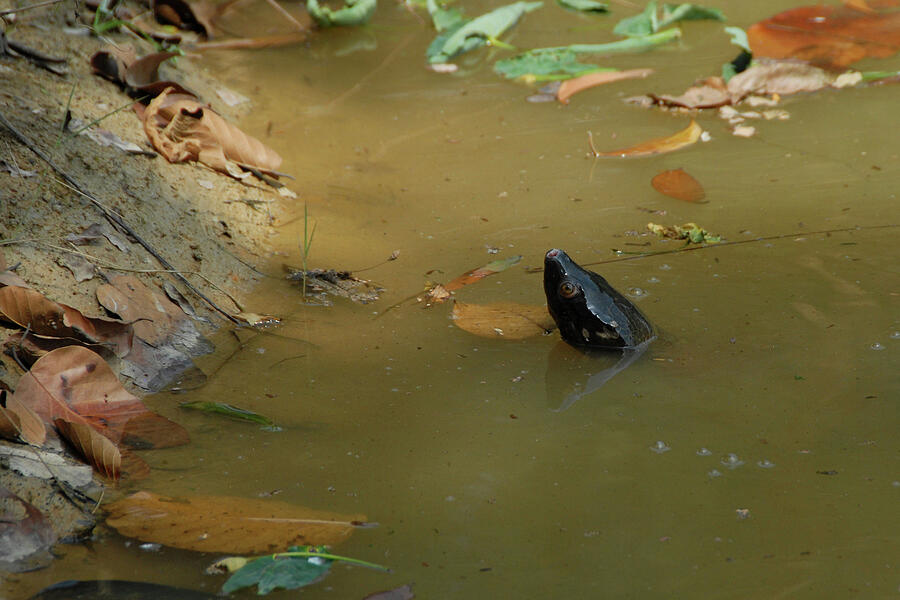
195	132
707	93
24	533
507	320
678	184
829	36
17	421
570	87
111	62
93	446
227	524
676	141
43	317
194	16
76	385
121	65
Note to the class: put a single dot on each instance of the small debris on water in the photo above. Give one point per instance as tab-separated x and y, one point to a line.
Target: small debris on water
765	464
660	447
704	452
732	461
877	346
743	513
714	473
895	335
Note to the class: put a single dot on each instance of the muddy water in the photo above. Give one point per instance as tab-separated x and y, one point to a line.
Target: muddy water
751	453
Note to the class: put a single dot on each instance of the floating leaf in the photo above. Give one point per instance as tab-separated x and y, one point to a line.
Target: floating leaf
649	21
506	320
678	184
75	384
591	6
691	232
707	93
444	18
227	524
268	573
545	66
828	36
241	414
353	13
31	310
404	592
96	448
677	141
495	266
477	32
570	87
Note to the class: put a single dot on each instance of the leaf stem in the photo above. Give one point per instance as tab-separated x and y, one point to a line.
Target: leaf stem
347	559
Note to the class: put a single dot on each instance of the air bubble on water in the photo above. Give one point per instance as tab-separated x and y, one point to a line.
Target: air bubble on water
895	335
665	267
653	280
660	447
150	547
636	292
704	452
877	346
714	473
765	464
732	461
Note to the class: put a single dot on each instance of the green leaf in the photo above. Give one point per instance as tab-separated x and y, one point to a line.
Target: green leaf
354	12
444	18
639	25
584	5
543	65
633	44
229	411
271	572
738	37
476	32
673	13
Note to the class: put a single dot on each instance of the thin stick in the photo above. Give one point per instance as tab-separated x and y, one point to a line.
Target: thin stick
278	8
113	216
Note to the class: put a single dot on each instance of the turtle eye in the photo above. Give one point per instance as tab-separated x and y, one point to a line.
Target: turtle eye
567	289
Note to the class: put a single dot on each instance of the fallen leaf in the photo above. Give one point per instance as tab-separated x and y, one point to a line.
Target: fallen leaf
589	6
707	93
77	385
31	310
678	184
93	446
829	36
26	535
778	77
465	35
404	592
353	13
234	412
570	87
506	320
120	64
193	16
469	277
81	269
693	233
18	421
676	141
195	132
227	524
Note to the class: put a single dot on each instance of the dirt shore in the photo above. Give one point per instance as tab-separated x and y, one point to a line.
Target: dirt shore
208	226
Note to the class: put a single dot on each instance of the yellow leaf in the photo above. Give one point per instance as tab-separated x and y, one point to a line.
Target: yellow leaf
507	320
677	141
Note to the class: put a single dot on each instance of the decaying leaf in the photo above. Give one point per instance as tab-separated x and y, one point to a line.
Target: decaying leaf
693	233
676	141
469	277
227	524
26	535
81	269
195	132
707	93
505	320
93	446
77	385
196	16
121	65
829	36
342	284
570	87
18	421
30	309
678	184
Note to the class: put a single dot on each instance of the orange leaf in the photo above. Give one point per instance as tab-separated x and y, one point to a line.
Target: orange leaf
678	184
677	141
17	421
77	385
474	275
227	524
506	320
828	36
570	87
30	309
96	448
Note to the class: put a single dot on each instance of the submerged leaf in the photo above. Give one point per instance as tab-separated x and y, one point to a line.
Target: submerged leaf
507	320
678	184
227	524
495	266
545	65
241	414
570	87
286	572
478	31
676	141
584	5
353	13
649	22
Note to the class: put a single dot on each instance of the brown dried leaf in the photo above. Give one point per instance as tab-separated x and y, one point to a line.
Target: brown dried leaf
17	421
227	524
678	184
194	16
143	75
111	62
676	141
24	533
195	132
778	77
77	385
94	447
30	309
707	93
507	320
570	87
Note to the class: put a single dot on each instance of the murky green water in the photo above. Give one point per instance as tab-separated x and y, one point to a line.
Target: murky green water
783	353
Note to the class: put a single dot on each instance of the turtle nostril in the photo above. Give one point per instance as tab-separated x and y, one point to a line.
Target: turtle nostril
553	253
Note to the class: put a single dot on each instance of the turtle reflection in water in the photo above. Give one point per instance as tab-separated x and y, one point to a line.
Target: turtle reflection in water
595	318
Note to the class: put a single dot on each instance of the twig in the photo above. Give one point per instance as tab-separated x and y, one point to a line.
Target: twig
278	8
29	7
113	216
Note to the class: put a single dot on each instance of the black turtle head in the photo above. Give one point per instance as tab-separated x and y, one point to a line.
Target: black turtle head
587	310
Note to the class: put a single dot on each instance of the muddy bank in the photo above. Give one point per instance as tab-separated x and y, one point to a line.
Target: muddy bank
211	228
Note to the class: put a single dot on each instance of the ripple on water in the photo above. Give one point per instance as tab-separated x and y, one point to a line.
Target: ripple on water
732	461
765	464
659	447
704	452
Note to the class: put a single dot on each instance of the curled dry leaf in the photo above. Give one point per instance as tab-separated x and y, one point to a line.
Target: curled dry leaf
678	184
77	385
506	320
570	87
194	16
677	141
707	93
96	448
120	64
829	36
195	132
227	524
17	421
43	317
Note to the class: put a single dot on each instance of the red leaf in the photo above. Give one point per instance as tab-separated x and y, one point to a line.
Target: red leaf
678	184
